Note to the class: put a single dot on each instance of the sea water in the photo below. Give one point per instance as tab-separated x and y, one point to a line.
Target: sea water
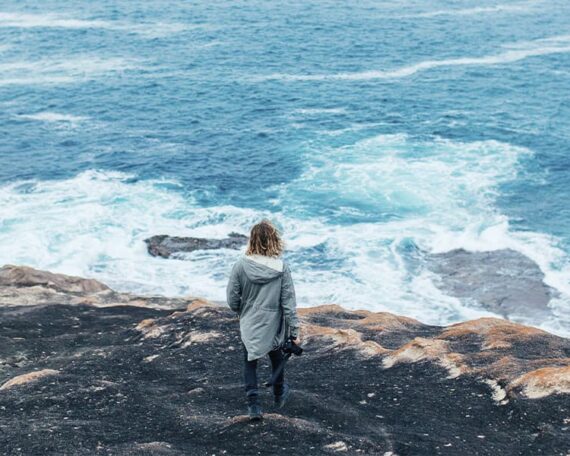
367	131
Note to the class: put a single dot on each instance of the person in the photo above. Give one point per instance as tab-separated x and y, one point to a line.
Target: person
260	290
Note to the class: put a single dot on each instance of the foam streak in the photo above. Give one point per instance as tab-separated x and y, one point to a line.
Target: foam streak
509	56
23	20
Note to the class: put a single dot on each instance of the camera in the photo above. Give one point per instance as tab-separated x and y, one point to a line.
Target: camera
288	348
291	347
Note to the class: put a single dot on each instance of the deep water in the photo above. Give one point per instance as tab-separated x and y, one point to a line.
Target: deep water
372	133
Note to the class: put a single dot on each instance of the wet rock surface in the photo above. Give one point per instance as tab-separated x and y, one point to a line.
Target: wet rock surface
135	380
168	246
504	281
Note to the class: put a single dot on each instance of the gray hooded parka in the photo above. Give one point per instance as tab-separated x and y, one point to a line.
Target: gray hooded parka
261	291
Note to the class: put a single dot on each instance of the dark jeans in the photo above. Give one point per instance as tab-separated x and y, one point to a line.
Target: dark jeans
250	373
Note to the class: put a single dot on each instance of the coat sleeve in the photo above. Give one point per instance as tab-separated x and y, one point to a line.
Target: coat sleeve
289	302
233	291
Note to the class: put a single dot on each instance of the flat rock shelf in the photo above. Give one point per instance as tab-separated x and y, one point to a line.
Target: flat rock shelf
106	373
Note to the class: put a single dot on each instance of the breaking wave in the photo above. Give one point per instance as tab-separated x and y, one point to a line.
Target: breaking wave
356	222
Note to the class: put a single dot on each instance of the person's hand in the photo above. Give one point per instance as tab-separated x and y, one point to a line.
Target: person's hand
297	339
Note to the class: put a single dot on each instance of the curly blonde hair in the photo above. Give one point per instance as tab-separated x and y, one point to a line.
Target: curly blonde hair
265	240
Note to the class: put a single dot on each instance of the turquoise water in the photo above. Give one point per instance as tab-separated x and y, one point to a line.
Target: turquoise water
368	132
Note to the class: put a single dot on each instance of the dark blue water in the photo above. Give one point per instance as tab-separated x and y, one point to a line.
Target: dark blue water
363	130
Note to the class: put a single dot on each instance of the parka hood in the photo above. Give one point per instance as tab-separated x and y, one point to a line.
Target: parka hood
262	270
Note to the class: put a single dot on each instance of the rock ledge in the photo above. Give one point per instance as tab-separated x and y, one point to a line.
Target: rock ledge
113	378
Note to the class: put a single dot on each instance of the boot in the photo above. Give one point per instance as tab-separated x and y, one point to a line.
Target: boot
253	408
283	396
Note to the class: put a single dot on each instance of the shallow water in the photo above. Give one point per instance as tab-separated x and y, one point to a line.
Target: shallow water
372	133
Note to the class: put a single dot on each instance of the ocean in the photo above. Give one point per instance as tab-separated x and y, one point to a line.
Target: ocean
372	133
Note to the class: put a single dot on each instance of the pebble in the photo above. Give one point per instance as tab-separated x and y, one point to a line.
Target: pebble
337	446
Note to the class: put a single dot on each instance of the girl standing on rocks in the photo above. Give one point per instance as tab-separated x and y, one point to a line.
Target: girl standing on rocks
261	291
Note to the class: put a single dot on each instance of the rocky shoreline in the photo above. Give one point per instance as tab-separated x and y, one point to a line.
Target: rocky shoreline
504	282
86	370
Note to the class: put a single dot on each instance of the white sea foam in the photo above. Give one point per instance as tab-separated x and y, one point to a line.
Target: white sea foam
36	80
60	71
350	129
94	225
52	20
521	7
48	116
547	46
318	111
441	194
83	65
22	20
557	40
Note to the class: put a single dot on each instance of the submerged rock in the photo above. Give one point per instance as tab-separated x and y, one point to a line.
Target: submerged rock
166	246
505	281
139	380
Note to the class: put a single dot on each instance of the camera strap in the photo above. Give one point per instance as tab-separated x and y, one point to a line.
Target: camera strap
279	370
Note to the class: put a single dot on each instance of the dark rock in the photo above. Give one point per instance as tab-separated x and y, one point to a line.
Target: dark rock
166	246
135	381
505	282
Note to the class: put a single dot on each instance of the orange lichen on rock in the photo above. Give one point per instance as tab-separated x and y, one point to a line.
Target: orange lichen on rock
380	321
144	324
421	349
387	321
368	317
149	329
504	367
195	337
543	382
27	378
497	333
200	304
343	338
24	276
324	309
